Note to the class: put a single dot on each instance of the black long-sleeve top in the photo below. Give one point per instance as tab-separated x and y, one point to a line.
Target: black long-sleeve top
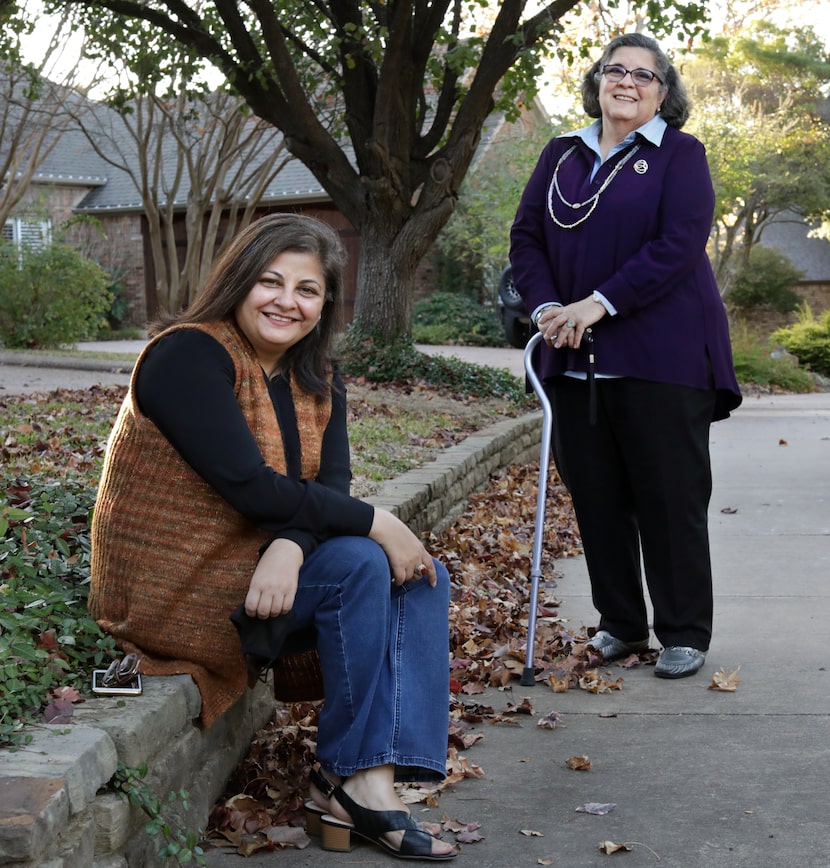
185	386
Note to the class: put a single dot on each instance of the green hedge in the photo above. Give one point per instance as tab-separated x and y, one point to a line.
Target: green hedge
808	340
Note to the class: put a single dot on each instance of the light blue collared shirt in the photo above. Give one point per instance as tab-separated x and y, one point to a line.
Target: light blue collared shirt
652	131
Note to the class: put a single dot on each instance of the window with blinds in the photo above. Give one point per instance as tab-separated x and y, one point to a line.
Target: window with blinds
34	233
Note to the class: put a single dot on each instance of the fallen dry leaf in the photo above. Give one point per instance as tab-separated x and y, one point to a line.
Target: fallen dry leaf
469	837
450	824
465	833
502	718
288	836
578	763
524	707
726	682
611	847
729	510
550	721
783	442
560	685
594	682
530	833
597	808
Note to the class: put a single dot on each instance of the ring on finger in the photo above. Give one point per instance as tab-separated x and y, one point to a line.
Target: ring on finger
570	323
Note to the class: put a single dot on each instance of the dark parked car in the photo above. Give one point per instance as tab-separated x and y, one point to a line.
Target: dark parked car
516	321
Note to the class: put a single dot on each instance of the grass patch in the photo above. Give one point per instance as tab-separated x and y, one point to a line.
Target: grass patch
385	448
395	428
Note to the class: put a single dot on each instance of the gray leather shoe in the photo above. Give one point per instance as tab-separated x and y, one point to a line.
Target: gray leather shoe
611	648
678	661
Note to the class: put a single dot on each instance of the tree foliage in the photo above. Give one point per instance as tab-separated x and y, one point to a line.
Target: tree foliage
476	238
759	98
406	87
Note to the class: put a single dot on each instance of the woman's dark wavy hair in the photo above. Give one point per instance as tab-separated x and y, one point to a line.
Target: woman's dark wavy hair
675	103
241	265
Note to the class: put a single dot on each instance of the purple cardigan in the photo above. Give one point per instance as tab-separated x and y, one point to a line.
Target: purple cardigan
644	249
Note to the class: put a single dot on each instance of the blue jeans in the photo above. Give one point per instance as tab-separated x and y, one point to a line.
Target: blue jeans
384	653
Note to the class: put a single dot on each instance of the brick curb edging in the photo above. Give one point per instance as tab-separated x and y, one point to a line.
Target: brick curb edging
54	811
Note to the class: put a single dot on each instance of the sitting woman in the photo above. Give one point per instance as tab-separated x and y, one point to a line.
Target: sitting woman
227	479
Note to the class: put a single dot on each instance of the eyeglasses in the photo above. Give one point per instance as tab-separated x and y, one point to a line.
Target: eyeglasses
640	77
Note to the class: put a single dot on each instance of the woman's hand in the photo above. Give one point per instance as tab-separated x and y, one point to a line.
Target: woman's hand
564	326
408	559
274	582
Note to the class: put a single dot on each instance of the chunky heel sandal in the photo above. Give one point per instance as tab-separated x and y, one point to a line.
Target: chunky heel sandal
313	812
313	815
373	825
335	835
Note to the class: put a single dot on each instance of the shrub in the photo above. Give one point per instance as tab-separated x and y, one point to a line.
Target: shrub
755	365
119	303
808	340
453	318
50	296
48	640
362	356
767	282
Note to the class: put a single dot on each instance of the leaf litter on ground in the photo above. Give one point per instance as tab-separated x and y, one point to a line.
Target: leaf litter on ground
488	551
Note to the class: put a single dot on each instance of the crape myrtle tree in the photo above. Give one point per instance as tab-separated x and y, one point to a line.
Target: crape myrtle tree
407	86
38	103
201	153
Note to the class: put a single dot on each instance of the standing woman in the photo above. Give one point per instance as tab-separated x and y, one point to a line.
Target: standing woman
226	480
608	250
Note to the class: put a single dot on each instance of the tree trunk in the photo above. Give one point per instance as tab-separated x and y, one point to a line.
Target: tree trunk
388	266
383	302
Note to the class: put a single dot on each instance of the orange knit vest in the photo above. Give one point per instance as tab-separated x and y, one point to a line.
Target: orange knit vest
171	559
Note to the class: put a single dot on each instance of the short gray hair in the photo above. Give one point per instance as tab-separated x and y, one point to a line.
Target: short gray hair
675	106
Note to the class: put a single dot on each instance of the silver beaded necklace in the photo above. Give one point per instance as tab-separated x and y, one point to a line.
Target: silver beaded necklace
554	188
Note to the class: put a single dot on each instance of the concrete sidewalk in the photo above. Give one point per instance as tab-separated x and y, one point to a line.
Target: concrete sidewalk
110	363
699	778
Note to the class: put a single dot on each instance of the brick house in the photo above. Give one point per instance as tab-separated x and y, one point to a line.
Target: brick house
78	196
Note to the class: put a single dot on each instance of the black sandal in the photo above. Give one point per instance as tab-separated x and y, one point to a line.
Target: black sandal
313	812
372	825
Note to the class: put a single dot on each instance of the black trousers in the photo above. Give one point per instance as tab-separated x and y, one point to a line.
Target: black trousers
640	480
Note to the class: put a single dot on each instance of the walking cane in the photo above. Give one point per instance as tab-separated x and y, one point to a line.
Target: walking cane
528	673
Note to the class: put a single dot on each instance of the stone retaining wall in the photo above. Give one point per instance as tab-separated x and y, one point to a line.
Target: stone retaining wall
55	811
